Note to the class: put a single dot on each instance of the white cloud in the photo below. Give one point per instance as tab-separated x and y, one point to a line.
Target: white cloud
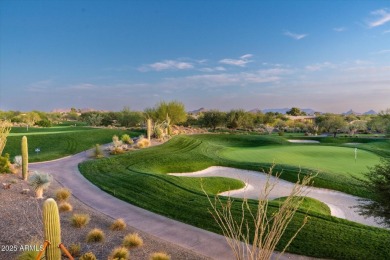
339	29
241	62
295	36
167	65
319	66
207	69
384	17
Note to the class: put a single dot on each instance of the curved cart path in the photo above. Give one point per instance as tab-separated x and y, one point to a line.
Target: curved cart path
339	203
203	242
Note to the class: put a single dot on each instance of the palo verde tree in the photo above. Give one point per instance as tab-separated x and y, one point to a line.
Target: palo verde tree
174	109
213	118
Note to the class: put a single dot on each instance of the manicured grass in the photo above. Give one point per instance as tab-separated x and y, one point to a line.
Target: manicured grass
140	178
323	159
310	204
57	142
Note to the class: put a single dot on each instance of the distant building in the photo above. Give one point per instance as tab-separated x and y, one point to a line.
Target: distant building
302	118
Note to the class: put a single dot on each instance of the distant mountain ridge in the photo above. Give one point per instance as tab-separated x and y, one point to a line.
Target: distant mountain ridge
351	112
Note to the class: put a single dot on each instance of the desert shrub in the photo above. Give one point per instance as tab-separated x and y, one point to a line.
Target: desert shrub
281	133
117	150
40	182
75	249
62	194
44	123
80	220
65	207
119	253
142	143
127	139
5	164
116	142
18	161
160	256
118	224
88	256
132	240
97	151
95	235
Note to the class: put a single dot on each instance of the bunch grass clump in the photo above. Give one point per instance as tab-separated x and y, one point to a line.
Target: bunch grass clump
80	220
120	253
132	240
118	224
95	235
75	249
160	256
65	207
88	256
63	194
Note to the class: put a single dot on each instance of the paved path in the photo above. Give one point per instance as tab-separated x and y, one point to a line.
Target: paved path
203	242
341	204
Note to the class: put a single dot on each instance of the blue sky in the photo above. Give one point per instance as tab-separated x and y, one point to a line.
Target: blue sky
327	55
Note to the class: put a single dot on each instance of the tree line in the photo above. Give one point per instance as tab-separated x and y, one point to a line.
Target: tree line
214	119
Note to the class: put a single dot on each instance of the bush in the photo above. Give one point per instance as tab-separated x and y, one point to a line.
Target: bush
160	256
65	207
80	220
44	123
88	256
143	142
117	150
97	151
62	194
95	235
120	253
118	225
132	240
40	182
18	161
127	139
5	164
75	249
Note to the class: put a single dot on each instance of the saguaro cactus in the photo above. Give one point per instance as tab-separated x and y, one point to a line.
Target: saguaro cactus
24	158
52	229
149	129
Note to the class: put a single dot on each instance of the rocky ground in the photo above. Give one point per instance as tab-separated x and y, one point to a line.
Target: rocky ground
21	223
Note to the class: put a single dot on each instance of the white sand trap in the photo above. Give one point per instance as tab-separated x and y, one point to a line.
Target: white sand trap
352	143
304	141
339	203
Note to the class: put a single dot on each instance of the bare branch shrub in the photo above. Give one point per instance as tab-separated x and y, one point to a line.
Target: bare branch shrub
255	232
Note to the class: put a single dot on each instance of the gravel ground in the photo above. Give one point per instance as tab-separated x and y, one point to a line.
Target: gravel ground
21	222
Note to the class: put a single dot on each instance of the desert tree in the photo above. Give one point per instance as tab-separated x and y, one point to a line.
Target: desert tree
378	183
213	118
255	231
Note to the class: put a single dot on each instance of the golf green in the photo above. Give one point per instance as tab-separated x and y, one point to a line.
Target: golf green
329	159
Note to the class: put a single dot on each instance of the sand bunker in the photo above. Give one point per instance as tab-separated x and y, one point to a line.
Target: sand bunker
340	204
304	141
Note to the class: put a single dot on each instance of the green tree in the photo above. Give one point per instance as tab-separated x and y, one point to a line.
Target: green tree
174	109
378	183
239	119
130	118
214	118
294	111
331	123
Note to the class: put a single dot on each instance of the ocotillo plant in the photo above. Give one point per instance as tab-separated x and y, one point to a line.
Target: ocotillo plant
149	129
52	229
24	158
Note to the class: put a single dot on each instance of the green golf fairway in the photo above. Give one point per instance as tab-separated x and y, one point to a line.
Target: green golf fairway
329	159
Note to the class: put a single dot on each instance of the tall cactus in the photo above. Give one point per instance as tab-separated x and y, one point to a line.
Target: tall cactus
52	229
24	158
149	129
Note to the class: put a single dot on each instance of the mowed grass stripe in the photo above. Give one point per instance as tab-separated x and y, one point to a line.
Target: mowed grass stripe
53	146
140	178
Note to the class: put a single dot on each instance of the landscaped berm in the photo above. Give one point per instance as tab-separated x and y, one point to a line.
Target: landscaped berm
141	178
